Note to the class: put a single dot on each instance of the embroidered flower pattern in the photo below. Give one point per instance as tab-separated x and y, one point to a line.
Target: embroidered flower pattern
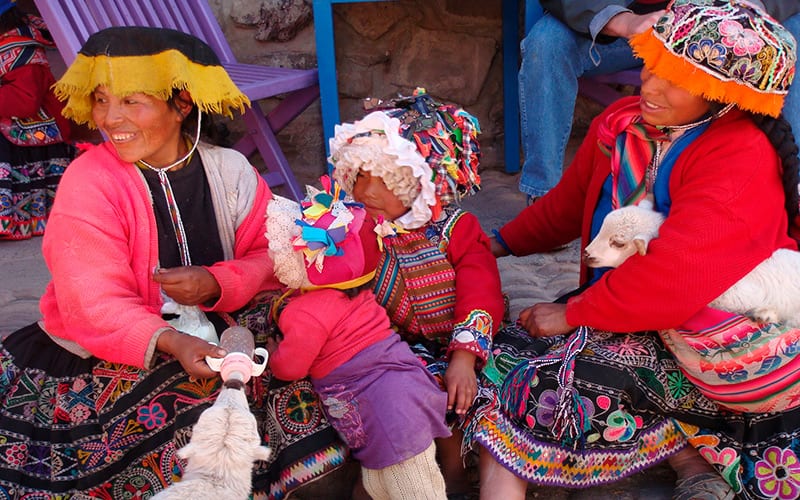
709	51
621	426
778	473
747	70
743	41
678	384
629	347
15	455
151	416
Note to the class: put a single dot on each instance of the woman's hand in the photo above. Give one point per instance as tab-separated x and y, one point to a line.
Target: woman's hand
628	24
545	320
190	352
498	250
461	381
188	285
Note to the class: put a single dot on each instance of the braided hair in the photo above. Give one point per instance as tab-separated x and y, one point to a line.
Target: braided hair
779	132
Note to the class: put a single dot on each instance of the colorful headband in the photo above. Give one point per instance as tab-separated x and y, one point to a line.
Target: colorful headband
323	241
729	51
154	61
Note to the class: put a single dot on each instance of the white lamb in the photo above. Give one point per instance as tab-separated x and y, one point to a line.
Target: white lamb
769	293
189	319
220	455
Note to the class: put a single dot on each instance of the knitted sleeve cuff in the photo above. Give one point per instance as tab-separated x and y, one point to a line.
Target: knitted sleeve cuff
473	335
499	239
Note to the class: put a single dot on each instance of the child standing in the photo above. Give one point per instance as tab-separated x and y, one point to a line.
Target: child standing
409	162
33	135
376	393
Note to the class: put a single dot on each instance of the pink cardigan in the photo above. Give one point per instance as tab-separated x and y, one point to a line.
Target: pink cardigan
101	249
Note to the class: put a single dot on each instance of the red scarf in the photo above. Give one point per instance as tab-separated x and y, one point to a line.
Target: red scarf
630	142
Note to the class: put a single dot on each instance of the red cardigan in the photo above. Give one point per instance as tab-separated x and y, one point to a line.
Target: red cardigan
101	247
727	216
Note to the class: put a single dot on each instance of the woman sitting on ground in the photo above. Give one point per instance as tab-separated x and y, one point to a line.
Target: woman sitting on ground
580	408
97	396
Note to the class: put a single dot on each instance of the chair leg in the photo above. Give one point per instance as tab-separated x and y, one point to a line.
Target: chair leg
291	106
260	135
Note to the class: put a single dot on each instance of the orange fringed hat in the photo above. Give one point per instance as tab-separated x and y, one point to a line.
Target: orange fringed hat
728	51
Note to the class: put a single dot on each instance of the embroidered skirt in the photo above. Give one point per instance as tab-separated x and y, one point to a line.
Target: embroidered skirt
72	427
28	180
638	409
385	404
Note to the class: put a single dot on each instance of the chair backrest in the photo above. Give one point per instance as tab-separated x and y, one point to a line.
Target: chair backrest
71	22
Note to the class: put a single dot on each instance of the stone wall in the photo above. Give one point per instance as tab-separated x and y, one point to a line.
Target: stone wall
450	47
453	48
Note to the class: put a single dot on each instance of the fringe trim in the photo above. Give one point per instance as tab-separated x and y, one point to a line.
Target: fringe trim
211	87
701	81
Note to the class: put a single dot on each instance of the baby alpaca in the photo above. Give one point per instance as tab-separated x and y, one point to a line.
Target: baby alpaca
220	455
770	293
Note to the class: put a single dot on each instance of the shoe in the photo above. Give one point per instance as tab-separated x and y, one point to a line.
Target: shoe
705	486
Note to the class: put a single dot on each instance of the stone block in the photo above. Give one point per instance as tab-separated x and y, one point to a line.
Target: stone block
446	63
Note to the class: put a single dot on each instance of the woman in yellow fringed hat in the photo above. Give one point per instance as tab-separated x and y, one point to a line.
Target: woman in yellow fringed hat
97	396
568	401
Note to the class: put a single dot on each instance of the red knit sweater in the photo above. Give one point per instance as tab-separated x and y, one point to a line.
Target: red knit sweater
727	216
325	328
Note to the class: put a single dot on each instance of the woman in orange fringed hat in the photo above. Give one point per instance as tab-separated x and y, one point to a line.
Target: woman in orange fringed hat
567	401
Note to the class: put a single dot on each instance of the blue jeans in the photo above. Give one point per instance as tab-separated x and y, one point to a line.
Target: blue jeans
553	58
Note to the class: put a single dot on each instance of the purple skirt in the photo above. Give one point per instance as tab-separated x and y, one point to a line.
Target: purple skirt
384	404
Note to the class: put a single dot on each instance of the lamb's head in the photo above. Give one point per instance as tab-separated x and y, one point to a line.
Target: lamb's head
625	231
225	439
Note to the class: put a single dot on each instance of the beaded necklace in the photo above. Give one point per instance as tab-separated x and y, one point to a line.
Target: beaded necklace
172	204
655	163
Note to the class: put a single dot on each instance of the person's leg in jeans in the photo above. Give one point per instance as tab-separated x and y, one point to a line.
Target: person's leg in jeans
553	58
791	106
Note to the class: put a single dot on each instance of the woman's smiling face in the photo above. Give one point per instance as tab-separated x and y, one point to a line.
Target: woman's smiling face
664	104
140	126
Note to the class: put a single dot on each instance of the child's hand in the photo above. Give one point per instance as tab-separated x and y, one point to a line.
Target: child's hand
461	381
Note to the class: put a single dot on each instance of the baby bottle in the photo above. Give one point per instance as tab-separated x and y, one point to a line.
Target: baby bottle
238	365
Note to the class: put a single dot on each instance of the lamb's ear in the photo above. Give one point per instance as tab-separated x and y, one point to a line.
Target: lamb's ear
262	453
648	202
187	451
640	242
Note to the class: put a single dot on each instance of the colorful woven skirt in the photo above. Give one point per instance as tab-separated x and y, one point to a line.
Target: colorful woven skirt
72	427
635	408
28	180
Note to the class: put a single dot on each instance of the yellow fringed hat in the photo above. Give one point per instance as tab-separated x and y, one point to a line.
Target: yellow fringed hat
728	51
154	61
